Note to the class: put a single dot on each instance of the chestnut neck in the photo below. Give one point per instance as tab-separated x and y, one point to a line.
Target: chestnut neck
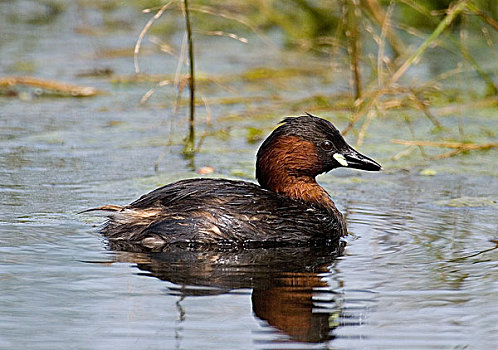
288	166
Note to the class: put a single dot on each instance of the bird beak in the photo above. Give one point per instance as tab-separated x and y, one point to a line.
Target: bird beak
354	159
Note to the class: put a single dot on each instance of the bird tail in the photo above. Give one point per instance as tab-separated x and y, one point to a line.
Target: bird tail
109	207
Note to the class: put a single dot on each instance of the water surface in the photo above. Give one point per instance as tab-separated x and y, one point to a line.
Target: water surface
419	270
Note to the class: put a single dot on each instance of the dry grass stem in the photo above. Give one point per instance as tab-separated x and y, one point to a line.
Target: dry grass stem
423	107
144	31
159	159
208	109
386	24
353	12
407	151
216	12
50	85
374	96
458	107
163	47
151	91
189	146
489	42
178	82
451	15
488	19
364	127
458	145
448	154
383	19
225	34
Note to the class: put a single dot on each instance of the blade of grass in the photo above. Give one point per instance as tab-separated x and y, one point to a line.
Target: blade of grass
354	41
457	145
383	19
418	6
144	31
451	15
216	12
492	22
386	24
54	86
189	146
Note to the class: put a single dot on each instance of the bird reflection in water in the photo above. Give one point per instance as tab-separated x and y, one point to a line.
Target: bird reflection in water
289	290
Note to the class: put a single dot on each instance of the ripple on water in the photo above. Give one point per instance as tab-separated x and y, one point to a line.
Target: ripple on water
422	279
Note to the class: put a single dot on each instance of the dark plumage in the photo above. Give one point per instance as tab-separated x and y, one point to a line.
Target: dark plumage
289	208
221	211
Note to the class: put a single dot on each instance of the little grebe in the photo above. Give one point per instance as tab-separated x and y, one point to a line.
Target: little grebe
288	207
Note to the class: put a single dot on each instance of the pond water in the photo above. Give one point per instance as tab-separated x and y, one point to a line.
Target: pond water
419	271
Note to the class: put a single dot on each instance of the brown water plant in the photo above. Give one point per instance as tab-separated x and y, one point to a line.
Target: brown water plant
347	26
49	87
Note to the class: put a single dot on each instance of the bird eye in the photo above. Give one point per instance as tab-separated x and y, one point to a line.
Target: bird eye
326	145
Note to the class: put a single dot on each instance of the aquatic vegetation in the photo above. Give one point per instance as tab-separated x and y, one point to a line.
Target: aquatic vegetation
9	85
467	202
363	61
329	29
